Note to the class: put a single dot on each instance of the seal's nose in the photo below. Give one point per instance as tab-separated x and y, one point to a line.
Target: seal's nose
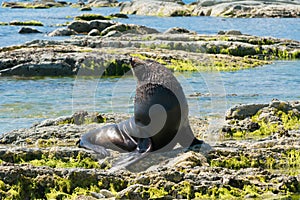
135	62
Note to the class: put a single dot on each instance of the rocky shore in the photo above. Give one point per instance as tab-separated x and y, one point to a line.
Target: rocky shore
44	161
104	48
223	8
45	4
173	8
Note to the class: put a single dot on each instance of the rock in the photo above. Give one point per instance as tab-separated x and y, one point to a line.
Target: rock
281	105
230	32
86	8
221	33
97	195
155	8
90	17
86	27
102	3
26	30
118	15
62	32
132	192
80	26
44	69
274	119
128	28
233	32
47	158
178	30
295	105
188	159
106	193
251	9
244	111
100	24
35	5
94	32
179	52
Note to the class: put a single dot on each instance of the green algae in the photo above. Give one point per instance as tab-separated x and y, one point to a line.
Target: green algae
287	121
90	17
26	23
59	186
215	64
111	67
236	162
290	120
250	191
3	24
292	158
66	121
54	162
46	187
156	193
184	189
27	5
285	159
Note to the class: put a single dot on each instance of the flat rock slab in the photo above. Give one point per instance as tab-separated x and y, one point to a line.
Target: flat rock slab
109	55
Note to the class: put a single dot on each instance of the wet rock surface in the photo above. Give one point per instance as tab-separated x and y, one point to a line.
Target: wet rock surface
44	162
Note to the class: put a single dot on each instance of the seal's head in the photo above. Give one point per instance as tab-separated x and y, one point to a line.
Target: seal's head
141	69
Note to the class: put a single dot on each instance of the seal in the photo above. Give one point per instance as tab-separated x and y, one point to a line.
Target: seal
160	118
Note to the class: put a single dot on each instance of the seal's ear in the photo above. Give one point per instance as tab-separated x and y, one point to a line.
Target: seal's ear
132	62
78	143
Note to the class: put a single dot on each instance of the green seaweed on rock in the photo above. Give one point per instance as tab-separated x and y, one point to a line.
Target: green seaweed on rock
90	17
156	193
26	23
54	162
287	121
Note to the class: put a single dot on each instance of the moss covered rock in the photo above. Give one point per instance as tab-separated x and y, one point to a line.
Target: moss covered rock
277	117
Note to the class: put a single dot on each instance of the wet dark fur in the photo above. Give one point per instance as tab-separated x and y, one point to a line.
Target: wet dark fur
155	85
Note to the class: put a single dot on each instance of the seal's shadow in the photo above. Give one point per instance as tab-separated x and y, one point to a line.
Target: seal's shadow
154	160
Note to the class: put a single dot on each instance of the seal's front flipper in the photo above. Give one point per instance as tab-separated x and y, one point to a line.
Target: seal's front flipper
144	145
99	150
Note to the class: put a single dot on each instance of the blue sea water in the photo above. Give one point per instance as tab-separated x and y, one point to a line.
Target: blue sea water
26	101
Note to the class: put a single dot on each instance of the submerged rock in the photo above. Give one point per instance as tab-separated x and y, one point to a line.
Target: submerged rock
178	30
27	30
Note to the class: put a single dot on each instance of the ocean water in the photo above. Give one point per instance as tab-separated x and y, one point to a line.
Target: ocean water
281	28
24	101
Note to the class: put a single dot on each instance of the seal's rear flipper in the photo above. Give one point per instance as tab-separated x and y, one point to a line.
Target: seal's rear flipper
186	137
144	147
127	160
